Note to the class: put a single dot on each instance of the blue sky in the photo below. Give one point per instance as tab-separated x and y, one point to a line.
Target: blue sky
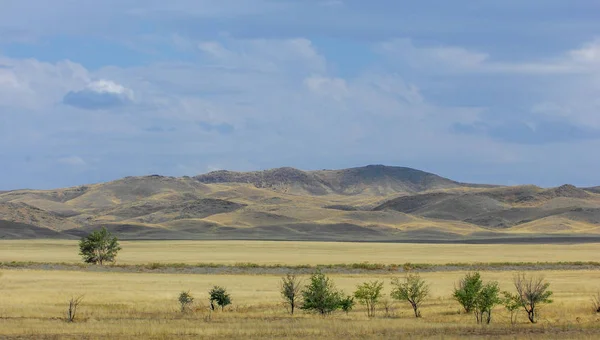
503	92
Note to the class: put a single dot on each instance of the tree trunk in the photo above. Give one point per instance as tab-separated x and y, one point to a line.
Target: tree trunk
416	310
292	307
531	315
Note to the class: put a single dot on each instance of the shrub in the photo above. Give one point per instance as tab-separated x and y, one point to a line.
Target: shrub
596	303
368	294
412	289
219	296
185	301
346	304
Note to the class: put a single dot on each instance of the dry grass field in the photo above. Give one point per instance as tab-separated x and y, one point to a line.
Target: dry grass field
300	253
33	303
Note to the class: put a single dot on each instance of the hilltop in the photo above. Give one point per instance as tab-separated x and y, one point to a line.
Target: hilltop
371	203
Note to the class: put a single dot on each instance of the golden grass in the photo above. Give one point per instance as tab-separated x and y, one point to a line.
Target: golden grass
128	305
299	253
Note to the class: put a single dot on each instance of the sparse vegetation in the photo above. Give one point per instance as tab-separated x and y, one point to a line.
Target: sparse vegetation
99	247
412	289
368	294
290	288
219	296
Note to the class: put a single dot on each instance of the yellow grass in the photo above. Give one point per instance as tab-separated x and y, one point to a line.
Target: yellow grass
116	305
126	305
296	253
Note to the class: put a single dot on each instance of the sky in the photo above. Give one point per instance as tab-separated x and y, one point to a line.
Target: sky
504	92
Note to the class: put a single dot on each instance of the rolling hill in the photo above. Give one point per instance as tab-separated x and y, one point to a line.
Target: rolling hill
371	203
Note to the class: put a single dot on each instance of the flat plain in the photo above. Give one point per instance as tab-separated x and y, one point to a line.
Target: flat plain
122	305
301	253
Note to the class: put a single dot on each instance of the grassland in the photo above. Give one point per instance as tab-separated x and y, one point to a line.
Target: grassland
302	253
143	305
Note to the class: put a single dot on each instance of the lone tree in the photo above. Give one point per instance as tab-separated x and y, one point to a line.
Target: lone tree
467	291
368	293
320	295
98	247
219	296
531	293
290	287
412	289
486	299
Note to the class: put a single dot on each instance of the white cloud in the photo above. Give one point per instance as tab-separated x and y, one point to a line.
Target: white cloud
31	84
100	94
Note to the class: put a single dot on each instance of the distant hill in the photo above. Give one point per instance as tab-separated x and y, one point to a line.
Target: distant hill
371	203
370	180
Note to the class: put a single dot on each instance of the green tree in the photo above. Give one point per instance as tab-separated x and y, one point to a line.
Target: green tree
467	291
412	289
368	293
486	299
219	296
320	295
531	293
290	287
98	247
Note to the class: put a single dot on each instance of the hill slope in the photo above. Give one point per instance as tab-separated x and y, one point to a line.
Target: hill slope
371	203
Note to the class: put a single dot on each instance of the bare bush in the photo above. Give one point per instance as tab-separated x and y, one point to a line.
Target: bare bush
531	293
73	305
290	288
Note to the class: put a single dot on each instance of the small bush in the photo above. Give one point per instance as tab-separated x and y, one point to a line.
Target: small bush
346	304
185	301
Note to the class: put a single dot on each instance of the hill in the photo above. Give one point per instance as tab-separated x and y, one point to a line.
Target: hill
371	203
